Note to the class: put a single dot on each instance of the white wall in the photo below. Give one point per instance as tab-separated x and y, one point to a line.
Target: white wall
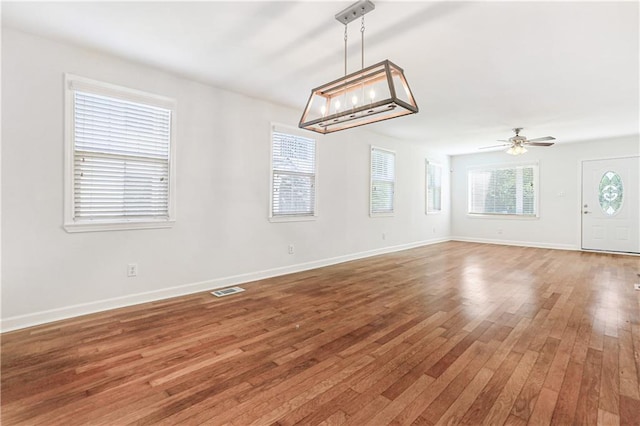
559	199
222	234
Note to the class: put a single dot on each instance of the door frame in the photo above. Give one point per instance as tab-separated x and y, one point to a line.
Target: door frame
581	203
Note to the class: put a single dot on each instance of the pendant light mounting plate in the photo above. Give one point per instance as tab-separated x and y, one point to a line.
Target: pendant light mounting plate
355	11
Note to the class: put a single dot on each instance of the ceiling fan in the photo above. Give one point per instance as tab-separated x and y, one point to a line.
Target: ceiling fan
517	143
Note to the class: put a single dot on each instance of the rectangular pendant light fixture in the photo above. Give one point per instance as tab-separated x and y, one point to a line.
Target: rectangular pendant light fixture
376	93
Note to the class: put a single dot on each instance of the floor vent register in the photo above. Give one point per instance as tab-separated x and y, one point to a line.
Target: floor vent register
227	291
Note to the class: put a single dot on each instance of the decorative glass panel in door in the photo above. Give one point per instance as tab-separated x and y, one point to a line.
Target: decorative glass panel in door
611	193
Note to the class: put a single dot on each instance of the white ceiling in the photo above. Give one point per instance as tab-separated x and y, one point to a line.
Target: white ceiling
477	69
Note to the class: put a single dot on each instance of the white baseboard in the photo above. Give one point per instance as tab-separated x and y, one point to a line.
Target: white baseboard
539	245
516	243
37	318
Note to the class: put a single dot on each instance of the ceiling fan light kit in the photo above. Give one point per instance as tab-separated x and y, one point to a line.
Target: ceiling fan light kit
375	93
516	150
518	142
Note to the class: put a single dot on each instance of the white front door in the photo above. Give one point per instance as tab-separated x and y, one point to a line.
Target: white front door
611	205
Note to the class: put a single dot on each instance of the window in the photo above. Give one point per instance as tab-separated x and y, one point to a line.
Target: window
119	157
511	190
433	185
293	175
383	181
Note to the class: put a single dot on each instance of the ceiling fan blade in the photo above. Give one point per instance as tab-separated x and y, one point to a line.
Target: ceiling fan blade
546	138
538	143
495	146
502	140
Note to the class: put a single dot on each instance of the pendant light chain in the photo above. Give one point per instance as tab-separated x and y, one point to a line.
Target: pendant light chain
345	49
362	33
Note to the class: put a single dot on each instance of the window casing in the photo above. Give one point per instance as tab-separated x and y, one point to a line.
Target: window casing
119	159
293	175
433	185
383	182
504	190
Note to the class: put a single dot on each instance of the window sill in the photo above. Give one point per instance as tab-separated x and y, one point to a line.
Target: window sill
95	226
381	214
278	219
502	216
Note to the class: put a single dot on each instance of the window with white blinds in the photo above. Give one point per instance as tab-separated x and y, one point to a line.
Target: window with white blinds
120	144
293	175
511	190
433	186
383	181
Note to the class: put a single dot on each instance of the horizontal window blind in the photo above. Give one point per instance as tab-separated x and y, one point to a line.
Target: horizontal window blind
293	175
383	177
121	159
504	190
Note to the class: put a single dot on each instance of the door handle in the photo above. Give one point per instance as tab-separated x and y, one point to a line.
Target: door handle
586	212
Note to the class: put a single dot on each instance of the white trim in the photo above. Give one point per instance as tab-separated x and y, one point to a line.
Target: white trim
37	318
506	165
570	247
626	253
517	243
73	82
293	218
76	82
117	226
375	215
501	216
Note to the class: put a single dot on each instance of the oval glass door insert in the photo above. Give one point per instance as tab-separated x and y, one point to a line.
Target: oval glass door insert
610	193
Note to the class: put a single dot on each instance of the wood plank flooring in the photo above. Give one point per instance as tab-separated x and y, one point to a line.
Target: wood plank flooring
453	333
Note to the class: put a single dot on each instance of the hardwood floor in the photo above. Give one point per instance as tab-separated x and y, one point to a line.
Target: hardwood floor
454	333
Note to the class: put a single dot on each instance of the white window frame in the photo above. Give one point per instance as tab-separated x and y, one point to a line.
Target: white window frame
536	187
438	167
373	213
73	83
294	131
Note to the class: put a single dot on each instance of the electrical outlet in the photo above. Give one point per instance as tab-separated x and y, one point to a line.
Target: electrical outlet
291	249
384	236
499	231
132	270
